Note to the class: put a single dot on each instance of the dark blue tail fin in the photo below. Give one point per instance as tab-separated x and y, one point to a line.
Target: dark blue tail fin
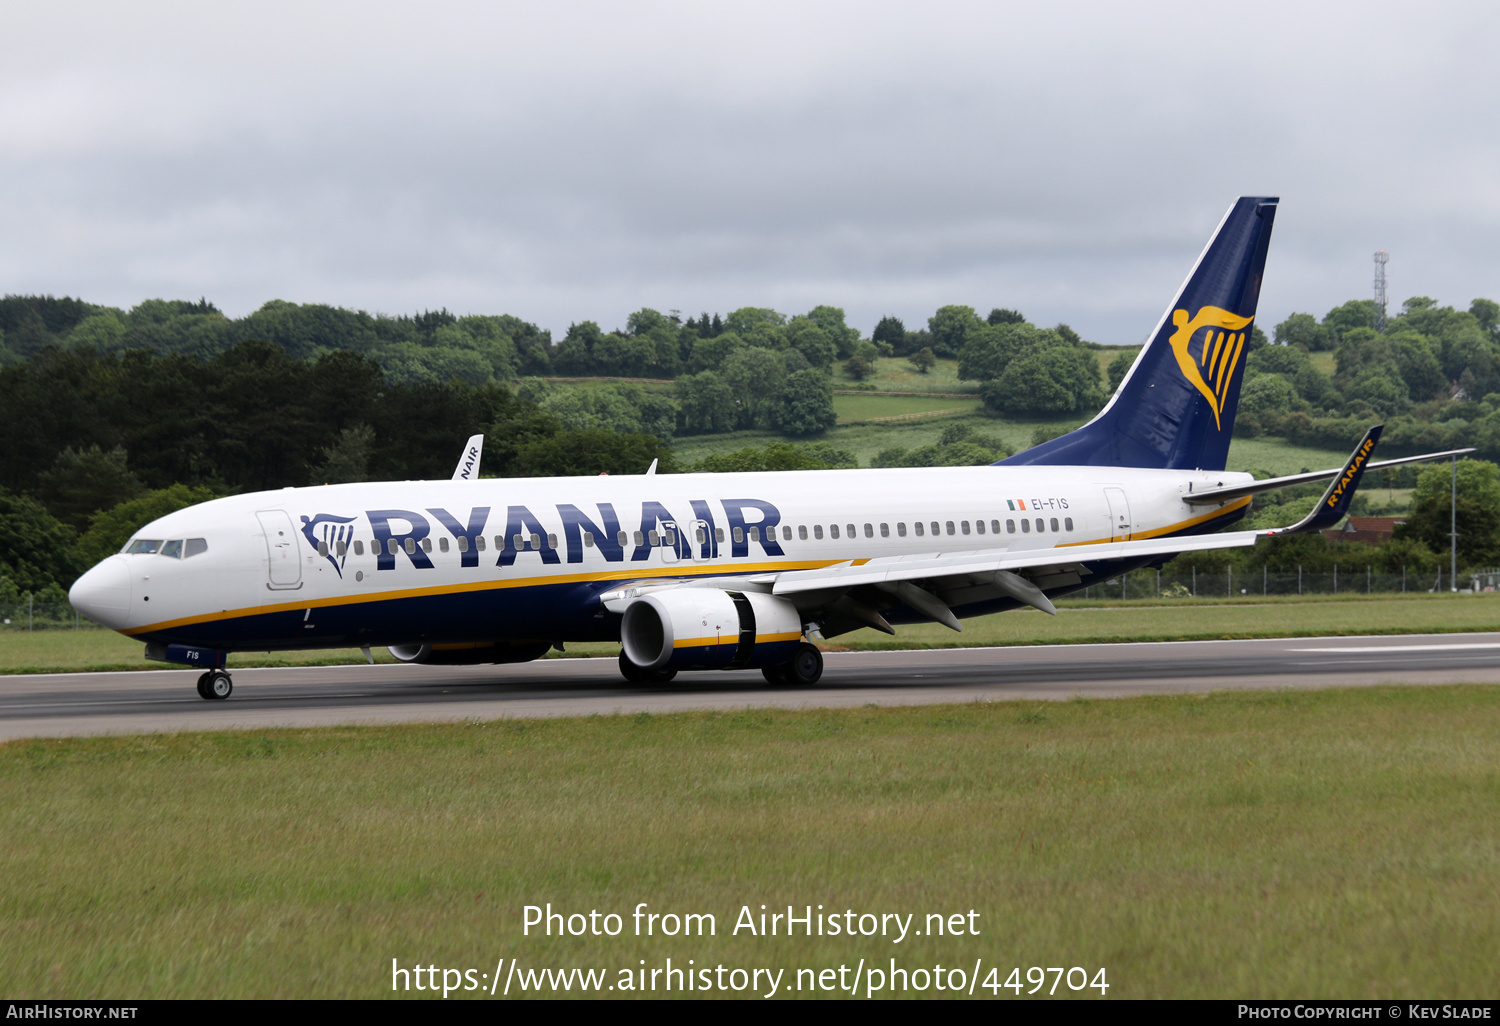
1175	409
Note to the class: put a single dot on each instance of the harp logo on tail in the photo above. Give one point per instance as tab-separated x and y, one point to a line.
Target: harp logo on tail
1211	369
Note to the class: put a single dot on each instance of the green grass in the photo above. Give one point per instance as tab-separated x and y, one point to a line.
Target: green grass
1200	620
1079	622
1280	457
1289	844
876	405
896	374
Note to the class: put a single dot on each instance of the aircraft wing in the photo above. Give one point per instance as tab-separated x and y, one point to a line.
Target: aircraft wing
851	594
855	591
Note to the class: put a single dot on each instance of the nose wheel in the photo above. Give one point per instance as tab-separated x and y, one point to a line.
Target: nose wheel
215	685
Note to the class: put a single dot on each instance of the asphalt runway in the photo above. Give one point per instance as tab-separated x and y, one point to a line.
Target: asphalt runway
67	704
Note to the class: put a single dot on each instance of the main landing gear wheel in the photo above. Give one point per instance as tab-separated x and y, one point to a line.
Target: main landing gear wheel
776	675
803	670
641	675
215	685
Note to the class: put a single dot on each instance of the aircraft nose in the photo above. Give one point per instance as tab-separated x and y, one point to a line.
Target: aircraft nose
103	594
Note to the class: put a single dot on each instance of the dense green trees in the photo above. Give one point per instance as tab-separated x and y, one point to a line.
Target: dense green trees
1478	511
1030	371
116	414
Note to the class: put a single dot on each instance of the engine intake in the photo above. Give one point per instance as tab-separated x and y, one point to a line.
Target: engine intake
471	653
710	629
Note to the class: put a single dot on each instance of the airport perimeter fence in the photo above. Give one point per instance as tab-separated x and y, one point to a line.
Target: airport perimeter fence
1352	580
28	614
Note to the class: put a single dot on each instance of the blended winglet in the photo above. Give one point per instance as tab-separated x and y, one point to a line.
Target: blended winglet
468	463
1334	505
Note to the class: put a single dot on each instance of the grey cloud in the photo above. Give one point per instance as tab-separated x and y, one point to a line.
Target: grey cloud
884	158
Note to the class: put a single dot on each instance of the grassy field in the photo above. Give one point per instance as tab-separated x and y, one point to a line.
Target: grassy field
881	406
1289	844
1253	617
58	651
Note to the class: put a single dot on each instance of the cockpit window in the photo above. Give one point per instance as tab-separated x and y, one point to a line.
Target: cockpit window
144	547
194	546
172	548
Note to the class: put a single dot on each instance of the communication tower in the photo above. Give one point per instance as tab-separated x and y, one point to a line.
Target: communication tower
1381	258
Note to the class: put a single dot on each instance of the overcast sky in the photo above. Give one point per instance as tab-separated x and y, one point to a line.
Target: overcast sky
571	161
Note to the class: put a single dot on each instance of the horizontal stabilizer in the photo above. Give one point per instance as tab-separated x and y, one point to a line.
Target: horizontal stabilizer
1213	496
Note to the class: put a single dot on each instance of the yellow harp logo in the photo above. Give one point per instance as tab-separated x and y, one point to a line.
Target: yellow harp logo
1212	369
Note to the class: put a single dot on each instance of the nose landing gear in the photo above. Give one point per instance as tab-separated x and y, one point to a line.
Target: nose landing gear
215	685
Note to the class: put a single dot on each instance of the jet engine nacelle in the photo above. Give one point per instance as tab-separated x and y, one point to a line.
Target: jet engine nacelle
710	629
470	653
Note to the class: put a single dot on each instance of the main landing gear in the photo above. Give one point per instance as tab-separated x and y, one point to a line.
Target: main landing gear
215	685
803	670
641	675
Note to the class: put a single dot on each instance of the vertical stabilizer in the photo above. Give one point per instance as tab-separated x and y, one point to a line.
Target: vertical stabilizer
468	463
1175	409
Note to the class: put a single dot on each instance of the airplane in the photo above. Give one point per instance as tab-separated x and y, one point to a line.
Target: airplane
726	571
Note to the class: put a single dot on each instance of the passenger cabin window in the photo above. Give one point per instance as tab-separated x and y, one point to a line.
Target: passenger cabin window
852	532
786	532
919	528
755	534
427	545
342	548
963	526
1026	527
901	530
551	541
411	546
739	534
950	527
653	538
622	539
174	548
994	527
1041	525
818	532
359	547
885	530
1010	527
979	526
936	529
833	531
719	534
443	544
1068	523
322	549
802	532
588	539
1054	523
479	544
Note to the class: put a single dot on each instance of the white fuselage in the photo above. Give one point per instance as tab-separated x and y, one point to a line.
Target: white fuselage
512	559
